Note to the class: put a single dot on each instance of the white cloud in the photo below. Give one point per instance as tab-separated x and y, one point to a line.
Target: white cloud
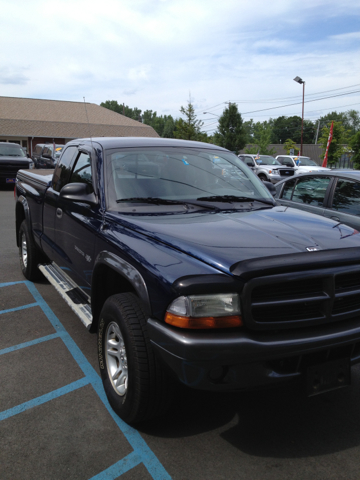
150	54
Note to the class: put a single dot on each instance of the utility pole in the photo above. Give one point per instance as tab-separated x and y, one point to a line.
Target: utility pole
317	132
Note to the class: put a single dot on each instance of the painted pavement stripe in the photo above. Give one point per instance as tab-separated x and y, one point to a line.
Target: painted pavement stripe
29	344
123	466
18	308
139	445
44	398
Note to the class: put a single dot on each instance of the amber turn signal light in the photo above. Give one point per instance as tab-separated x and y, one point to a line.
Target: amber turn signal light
203	322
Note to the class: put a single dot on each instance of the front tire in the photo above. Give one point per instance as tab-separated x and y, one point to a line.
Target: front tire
135	383
29	254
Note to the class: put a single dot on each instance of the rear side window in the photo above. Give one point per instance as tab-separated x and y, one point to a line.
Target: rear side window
63	169
311	190
347	197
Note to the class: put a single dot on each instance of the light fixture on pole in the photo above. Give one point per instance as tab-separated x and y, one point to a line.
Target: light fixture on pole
299	80
209	113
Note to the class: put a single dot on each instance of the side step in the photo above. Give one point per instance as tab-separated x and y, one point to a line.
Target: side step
69	291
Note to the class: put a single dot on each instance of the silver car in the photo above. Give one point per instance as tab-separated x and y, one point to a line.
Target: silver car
266	167
334	194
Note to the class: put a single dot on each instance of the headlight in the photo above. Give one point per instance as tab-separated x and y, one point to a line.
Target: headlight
205	311
31	165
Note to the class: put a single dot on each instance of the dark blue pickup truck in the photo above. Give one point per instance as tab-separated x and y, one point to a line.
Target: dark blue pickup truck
178	257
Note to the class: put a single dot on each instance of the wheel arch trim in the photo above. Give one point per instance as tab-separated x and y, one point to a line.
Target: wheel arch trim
126	270
22	203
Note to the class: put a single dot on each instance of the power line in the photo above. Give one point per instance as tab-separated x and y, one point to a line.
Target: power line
318	110
299	103
281	99
296	96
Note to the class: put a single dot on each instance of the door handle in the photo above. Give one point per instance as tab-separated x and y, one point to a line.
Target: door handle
337	219
59	212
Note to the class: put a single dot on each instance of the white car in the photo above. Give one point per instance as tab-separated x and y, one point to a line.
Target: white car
300	163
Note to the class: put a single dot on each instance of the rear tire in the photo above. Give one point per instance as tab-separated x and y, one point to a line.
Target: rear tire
135	383
30	256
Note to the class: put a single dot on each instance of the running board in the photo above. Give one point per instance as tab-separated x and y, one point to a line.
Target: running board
69	291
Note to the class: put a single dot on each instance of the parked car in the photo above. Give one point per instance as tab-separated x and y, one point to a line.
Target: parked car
267	167
184	271
300	163
12	159
46	155
334	194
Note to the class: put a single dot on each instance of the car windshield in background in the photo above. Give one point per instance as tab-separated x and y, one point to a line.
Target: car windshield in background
178	174
11	151
266	160
305	162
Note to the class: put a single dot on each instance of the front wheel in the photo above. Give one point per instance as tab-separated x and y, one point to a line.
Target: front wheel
135	383
263	177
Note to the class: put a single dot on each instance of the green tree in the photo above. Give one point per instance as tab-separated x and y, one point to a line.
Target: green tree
353	121
188	129
134	113
336	148
289	145
290	127
355	147
231	133
169	127
261	138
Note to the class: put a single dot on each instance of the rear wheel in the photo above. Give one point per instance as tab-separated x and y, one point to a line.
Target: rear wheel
135	383
30	255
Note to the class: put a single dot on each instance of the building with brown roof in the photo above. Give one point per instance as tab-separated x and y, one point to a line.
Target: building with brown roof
30	121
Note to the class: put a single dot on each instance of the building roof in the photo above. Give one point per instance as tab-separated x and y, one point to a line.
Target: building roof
53	118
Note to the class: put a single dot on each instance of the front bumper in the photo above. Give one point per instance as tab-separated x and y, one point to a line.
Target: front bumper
239	360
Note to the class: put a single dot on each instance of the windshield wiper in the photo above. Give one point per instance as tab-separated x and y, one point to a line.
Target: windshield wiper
163	201
154	200
234	198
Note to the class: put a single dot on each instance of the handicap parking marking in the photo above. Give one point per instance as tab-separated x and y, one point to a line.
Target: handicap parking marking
141	451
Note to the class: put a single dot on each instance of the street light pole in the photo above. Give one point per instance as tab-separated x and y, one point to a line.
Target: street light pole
299	80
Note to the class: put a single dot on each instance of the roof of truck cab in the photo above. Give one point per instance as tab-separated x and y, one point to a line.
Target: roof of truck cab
131	142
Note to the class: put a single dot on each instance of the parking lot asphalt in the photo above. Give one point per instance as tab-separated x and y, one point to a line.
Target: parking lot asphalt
55	422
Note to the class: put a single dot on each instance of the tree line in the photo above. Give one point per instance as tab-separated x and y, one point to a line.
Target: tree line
234	134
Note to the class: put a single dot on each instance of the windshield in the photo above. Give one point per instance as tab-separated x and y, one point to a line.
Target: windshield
305	162
266	160
177	174
11	151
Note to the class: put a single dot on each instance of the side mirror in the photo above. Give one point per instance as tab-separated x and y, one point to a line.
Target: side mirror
78	192
270	186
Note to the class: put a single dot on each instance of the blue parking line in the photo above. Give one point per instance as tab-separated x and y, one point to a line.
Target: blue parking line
142	452
28	344
44	398
123	466
19	308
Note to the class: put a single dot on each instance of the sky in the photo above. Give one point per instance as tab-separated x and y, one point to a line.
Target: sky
158	54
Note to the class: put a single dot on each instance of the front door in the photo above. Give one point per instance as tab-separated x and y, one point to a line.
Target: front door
76	227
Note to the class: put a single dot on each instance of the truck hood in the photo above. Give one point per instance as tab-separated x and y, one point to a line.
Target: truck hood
311	169
223	238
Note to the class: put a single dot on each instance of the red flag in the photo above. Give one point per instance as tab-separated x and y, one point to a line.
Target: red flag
324	164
